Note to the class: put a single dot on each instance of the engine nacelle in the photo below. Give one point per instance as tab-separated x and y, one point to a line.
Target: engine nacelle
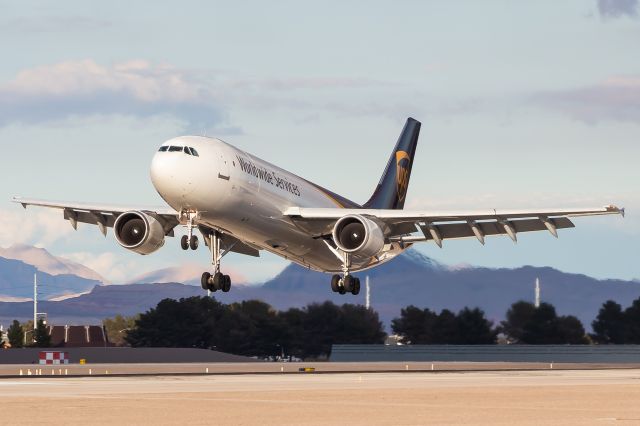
139	232
358	235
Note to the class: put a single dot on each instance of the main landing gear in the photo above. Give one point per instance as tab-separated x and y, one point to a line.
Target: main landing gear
217	280
346	283
189	241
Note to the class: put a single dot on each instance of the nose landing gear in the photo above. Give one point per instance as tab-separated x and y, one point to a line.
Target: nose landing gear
189	241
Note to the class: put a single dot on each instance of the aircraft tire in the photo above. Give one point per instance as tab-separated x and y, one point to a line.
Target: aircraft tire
356	287
193	243
184	242
204	281
348	281
335	283
217	281
226	283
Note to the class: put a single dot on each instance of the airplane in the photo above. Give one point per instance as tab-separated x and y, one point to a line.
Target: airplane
240	203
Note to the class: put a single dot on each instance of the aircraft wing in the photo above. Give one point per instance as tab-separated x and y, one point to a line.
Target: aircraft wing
438	226
102	215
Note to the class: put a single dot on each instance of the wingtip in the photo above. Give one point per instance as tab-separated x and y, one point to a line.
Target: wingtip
16	199
615	209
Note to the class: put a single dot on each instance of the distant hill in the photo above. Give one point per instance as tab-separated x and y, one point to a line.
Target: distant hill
16	282
409	279
46	262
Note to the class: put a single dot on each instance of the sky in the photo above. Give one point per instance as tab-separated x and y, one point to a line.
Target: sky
523	105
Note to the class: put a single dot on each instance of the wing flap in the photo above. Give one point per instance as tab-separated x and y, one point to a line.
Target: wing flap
463	230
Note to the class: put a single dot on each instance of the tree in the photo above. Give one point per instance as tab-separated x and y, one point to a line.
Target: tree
610	324
518	316
415	325
326	324
571	331
42	336
473	328
15	334
632	321
445	328
261	327
189	322
293	336
118	327
542	326
254	328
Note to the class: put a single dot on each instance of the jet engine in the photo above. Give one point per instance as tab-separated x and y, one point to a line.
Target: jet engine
358	235
138	231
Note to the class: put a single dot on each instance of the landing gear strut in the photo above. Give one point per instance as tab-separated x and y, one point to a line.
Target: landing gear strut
346	282
217	280
189	240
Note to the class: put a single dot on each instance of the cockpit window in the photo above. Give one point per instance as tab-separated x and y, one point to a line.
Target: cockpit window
186	149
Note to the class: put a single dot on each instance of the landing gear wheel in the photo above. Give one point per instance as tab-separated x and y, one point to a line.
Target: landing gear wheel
217	281
226	283
193	243
355	290
184	242
335	283
349	283
204	281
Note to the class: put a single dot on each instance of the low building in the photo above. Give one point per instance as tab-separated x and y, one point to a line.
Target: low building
78	336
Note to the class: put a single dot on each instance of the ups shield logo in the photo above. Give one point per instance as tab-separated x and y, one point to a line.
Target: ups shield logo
402	174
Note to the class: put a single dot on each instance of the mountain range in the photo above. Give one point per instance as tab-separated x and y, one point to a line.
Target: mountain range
412	278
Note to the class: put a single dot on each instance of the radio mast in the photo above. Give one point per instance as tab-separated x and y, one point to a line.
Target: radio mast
367	303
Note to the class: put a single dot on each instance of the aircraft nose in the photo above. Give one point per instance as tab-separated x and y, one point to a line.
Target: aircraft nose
173	177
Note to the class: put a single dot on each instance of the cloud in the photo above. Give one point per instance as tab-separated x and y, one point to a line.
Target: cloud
618	8
116	268
616	99
36	227
85	88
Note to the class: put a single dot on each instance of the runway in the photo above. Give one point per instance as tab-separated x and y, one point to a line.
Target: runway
195	368
481	397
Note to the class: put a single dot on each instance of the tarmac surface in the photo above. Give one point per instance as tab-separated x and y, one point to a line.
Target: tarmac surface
195	368
471	397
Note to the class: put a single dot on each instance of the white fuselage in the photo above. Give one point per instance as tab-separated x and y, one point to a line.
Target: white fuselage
241	195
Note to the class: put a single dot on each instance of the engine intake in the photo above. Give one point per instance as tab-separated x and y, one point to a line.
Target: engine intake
358	235
139	232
